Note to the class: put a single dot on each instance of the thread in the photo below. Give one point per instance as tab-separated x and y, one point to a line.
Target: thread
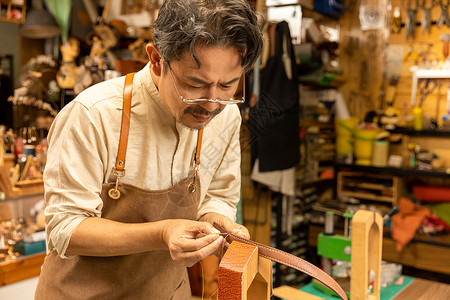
203	274
203	280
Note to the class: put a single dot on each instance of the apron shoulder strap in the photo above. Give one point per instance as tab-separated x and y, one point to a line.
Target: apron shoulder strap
123	142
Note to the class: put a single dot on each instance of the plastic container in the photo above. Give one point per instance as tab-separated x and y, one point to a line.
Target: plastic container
380	153
432	193
364	139
344	135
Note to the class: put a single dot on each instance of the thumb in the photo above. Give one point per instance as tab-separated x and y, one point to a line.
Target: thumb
241	231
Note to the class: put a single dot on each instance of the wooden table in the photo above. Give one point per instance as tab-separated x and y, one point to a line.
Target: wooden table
21	268
421	289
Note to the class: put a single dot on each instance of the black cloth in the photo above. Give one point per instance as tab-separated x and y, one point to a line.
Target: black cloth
6	107
274	121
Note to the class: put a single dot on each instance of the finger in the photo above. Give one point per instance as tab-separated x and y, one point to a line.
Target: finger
241	231
198	242
222	249
237	229
204	228
190	258
210	230
211	248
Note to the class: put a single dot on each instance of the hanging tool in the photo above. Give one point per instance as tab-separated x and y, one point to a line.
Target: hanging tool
411	53
425	23
443	17
391	114
434	121
396	23
426	87
410	26
364	76
445	39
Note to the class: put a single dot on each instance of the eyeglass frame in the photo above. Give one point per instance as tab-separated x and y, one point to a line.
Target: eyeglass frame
204	100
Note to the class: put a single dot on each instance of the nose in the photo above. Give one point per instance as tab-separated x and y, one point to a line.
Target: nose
211	93
209	106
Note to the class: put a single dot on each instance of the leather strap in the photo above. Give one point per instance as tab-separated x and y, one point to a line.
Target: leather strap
288	260
123	142
199	147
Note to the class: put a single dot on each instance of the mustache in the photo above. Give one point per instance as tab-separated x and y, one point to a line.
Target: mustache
198	110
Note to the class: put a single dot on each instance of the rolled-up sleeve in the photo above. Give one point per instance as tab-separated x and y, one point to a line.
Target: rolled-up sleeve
73	174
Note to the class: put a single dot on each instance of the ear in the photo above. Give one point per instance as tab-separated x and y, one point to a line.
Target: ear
155	59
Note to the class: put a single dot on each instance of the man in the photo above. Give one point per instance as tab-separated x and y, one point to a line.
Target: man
130	234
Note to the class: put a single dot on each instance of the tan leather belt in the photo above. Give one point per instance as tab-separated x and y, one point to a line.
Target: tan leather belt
288	260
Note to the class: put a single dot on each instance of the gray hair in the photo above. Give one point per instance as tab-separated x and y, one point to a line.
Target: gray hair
183	24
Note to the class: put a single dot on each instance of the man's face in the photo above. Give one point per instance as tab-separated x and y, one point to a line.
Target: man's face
217	78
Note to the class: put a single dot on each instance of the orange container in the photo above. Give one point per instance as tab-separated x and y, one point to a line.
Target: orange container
432	193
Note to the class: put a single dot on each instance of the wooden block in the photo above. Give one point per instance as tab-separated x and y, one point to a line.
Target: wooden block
243	274
367	239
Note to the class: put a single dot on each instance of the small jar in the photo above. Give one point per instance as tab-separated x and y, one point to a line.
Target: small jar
418	118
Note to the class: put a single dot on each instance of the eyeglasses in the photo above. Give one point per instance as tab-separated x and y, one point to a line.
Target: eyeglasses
203	100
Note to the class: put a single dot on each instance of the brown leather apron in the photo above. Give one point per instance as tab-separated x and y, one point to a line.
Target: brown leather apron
147	275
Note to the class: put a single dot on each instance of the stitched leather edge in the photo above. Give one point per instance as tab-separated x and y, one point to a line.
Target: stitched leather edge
289	260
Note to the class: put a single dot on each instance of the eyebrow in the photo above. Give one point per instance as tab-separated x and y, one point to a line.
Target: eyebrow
200	81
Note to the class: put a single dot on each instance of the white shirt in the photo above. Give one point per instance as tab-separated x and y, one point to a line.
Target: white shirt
83	143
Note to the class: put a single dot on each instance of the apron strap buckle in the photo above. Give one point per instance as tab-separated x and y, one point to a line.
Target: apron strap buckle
114	192
193	185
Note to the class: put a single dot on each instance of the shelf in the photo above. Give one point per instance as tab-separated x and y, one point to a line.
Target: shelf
367	186
366	196
423	133
396	171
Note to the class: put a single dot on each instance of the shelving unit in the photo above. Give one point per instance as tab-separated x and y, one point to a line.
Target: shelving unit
317	148
8	6
383	184
368	186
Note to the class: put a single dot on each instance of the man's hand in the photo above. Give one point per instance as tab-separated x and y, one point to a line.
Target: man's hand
229	225
190	241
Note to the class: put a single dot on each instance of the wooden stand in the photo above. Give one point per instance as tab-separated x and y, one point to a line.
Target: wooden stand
367	242
243	274
21	188
20	269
